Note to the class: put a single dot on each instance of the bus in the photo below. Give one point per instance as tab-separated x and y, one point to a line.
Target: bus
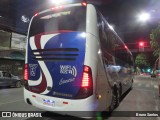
75	61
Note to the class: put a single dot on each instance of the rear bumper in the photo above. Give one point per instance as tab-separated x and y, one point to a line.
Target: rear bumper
81	108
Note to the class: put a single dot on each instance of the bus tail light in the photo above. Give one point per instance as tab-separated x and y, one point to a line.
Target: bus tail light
84	3
26	72
57	7
36	14
87	78
86	88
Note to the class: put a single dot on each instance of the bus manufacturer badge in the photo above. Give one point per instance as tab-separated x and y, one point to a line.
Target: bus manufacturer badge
33	69
68	69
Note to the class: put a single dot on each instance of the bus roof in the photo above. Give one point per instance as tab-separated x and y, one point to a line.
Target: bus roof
60	7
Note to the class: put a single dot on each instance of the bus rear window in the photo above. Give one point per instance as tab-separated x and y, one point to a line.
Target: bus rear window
68	19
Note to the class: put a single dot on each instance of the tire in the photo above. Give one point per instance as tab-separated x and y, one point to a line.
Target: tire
18	84
115	100
131	85
120	91
117	97
113	103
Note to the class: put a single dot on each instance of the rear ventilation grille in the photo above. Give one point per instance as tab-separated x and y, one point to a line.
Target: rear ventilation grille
56	54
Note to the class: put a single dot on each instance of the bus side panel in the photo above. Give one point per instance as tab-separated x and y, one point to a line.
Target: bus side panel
103	81
93	59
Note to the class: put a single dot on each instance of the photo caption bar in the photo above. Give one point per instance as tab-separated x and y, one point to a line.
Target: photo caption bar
20	114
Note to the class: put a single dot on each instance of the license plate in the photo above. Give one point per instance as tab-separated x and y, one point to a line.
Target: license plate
48	102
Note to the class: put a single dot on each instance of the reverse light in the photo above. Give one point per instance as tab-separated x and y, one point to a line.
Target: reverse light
26	72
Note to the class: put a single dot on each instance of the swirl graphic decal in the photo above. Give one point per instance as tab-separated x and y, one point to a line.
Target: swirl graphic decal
45	79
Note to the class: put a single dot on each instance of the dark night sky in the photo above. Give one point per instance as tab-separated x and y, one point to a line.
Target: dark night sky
120	13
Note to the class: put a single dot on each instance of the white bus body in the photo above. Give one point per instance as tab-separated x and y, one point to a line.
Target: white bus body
67	67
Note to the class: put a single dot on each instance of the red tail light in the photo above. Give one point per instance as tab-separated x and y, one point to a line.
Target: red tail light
57	7
125	47
86	88
26	72
84	3
36	14
87	78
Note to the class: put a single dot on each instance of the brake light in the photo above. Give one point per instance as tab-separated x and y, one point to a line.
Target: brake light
85	80
86	87
57	7
36	14
125	47
84	3
86	69
26	72
86	77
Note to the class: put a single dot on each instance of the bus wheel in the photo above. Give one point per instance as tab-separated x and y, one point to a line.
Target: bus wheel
117	98
113	102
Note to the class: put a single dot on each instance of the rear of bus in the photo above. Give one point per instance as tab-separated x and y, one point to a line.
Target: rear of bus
58	75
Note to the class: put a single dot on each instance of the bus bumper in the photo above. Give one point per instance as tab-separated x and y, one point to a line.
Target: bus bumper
78	107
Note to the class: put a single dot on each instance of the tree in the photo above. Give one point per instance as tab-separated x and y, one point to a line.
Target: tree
155	43
141	60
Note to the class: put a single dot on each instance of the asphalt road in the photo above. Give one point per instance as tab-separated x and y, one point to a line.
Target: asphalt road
143	97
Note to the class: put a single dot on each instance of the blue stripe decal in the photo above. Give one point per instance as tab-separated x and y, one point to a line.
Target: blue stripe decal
66	74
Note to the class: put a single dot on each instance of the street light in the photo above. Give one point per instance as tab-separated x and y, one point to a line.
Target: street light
143	17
